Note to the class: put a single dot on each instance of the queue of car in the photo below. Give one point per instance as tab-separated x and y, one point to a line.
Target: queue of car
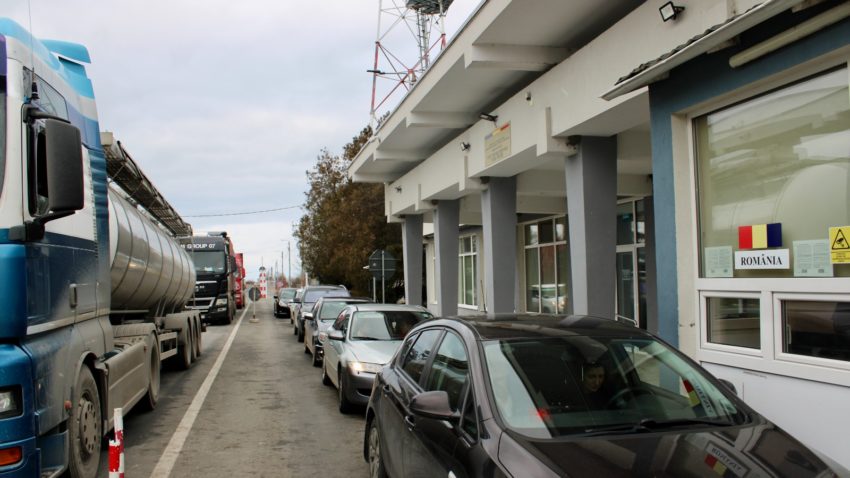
538	395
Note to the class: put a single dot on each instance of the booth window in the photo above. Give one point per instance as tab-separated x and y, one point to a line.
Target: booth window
817	329
546	266
783	157
734	321
467	293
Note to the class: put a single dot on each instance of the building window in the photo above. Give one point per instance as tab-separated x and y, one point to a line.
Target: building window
467	291
734	321
783	157
816	329
546	266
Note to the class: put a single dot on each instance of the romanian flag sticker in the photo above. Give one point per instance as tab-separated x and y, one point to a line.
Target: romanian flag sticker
760	236
692	394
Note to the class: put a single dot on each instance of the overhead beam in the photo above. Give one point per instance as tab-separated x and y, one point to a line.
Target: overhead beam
514	57
398	155
372	178
440	120
541	205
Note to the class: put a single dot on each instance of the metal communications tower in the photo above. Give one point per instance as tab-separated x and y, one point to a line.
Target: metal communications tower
420	18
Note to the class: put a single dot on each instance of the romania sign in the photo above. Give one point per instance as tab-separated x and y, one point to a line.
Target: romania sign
754	242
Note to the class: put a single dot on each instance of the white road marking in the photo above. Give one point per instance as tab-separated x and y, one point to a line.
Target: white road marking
175	445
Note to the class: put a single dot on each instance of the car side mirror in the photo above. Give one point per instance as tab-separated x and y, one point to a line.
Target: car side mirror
434	404
335	334
729	385
308	316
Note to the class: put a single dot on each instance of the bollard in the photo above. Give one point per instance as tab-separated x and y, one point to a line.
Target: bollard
116	446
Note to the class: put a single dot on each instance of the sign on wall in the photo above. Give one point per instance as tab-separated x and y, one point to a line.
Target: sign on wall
497	145
839	244
764	259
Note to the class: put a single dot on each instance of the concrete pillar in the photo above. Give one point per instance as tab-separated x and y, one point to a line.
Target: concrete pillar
498	212
651	270
411	239
446	222
591	177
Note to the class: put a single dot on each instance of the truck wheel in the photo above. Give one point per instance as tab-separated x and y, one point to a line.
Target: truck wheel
229	315
184	351
149	402
198	332
85	427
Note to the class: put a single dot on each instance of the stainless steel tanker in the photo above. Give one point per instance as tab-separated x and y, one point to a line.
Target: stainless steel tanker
150	271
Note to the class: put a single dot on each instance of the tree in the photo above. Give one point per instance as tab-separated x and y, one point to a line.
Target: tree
344	222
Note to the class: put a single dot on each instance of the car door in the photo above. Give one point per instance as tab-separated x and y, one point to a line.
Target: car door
333	348
429	444
401	384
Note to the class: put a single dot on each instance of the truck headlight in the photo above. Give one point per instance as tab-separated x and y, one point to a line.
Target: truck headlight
220	301
10	402
358	367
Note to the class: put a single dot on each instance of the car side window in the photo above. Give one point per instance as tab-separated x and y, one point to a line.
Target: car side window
417	355
342	321
450	370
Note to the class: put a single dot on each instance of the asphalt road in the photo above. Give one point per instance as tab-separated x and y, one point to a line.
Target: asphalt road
266	413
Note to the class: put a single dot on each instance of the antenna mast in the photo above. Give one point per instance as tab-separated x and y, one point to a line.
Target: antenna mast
390	72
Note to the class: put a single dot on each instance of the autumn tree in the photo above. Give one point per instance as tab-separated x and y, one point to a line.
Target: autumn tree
344	223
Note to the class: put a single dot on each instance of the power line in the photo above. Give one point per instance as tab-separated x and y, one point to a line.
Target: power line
243	213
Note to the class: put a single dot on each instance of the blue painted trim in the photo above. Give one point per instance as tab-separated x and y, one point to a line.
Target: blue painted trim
13	284
76	76
3	56
17	370
73	51
698	81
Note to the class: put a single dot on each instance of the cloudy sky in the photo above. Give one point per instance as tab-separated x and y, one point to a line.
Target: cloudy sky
226	104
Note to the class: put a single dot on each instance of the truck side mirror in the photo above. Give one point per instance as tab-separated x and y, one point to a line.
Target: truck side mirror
62	148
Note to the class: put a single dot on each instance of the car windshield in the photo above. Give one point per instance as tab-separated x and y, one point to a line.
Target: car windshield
287	294
331	309
579	385
208	261
387	325
315	294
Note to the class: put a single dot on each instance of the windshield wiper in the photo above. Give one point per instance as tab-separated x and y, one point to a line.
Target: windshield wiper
649	425
365	338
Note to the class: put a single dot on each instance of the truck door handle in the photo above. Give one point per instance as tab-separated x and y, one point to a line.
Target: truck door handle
409	420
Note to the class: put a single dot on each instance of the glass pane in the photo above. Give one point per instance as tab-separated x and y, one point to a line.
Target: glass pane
531	234
468	281
780	158
450	370
474	281
547	231
733	321
625	224
641	254
625	285
561	229
532	281
563	277
417	356
548	287
817	329
640	213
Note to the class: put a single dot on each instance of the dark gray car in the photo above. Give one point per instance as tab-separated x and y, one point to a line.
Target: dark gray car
362	339
319	320
283	301
305	300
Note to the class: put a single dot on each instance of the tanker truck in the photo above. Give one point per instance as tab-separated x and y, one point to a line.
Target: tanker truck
92	281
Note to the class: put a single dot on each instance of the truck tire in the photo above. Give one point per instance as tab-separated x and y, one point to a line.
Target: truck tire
198	332
85	432
184	351
229	319
149	402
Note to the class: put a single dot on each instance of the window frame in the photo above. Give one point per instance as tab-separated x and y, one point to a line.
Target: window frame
523	248
462	256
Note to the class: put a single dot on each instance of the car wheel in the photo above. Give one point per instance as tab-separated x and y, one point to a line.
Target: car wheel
316	359
325	379
376	462
301	335
345	406
306	349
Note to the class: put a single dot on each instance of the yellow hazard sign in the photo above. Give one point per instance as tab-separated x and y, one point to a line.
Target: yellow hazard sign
839	244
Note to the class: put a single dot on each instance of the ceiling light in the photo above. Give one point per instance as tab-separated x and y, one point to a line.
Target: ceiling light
669	11
464	146
488	117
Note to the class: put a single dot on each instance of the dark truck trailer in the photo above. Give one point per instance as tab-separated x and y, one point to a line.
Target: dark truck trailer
215	268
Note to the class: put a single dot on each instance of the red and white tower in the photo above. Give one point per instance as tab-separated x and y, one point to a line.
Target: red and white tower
390	72
263	283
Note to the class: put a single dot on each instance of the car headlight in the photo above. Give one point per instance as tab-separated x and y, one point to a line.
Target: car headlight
358	367
220	301
322	337
10	403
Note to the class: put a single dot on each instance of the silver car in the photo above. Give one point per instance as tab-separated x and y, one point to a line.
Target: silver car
360	342
319	320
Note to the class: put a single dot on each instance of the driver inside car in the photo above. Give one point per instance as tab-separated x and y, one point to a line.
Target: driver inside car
592	379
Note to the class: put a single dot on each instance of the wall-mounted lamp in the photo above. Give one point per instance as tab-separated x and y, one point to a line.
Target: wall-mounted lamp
398	189
669	11
464	146
488	117
528	98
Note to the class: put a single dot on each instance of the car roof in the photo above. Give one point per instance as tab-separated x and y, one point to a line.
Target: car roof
388	307
327	287
516	326
351	300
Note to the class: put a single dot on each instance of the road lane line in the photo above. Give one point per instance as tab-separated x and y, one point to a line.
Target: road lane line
178	439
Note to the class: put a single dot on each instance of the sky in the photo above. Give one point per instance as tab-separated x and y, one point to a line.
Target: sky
225	105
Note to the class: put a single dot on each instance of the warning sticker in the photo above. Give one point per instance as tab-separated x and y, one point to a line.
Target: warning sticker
839	244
